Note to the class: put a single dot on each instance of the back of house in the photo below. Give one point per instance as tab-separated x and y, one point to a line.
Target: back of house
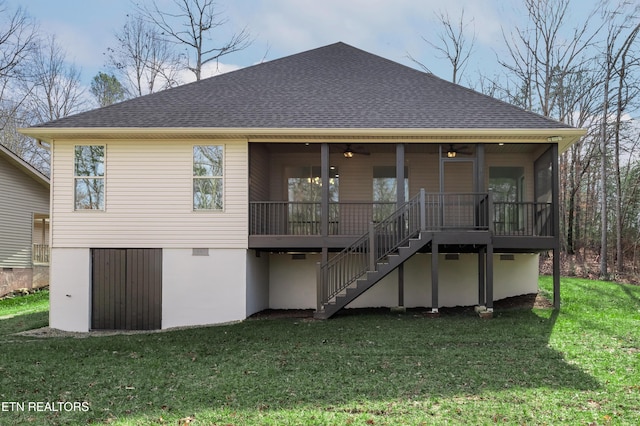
325	180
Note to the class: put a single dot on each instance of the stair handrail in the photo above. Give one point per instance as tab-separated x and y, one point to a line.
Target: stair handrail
385	237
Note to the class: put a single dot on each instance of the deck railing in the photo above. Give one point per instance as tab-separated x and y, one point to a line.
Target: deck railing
40	254
523	219
305	218
457	211
442	211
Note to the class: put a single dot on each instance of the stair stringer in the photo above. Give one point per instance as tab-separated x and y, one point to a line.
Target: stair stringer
371	278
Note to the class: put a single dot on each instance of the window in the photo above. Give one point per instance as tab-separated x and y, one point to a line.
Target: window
208	172
506	184
305	185
304	192
89	177
385	191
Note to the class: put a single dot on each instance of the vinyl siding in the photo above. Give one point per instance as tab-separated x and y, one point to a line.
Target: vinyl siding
148	198
259	166
20	197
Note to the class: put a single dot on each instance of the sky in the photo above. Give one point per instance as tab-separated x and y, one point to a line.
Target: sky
393	29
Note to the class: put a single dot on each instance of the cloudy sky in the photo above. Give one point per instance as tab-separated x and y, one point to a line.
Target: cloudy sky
390	28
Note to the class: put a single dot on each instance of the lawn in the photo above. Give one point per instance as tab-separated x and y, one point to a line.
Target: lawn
580	365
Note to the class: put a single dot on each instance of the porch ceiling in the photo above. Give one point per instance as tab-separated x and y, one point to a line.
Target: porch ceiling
389	148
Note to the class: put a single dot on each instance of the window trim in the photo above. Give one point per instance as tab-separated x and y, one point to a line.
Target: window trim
103	177
221	177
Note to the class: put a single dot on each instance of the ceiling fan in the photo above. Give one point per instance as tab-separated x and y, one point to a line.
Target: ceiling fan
350	152
452	152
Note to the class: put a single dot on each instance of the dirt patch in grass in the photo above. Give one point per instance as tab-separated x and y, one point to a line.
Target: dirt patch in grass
525	301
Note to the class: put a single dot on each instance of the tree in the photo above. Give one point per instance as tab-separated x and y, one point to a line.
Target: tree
107	89
17	41
614	66
54	89
541	57
453	45
143	59
192	25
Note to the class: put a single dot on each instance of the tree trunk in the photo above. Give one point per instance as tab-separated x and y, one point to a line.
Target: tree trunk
603	179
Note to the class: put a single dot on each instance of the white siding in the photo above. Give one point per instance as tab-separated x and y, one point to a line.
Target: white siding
148	201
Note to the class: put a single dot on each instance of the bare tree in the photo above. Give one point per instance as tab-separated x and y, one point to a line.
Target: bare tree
17	41
542	55
143	59
55	89
453	44
192	24
615	71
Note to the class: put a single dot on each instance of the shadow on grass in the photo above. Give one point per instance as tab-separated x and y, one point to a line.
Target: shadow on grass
288	363
16	323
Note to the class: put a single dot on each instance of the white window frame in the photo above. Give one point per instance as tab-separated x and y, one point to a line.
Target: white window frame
103	177
220	177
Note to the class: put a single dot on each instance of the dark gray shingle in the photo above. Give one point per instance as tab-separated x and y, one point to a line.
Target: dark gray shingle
336	86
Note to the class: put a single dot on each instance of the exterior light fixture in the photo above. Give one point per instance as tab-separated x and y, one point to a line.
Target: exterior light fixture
451	154
348	153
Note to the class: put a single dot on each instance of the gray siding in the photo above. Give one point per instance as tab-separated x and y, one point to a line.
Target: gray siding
20	198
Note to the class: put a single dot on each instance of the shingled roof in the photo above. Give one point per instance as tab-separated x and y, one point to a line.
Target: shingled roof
332	87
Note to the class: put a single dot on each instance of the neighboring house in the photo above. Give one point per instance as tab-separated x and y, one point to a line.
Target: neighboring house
24	224
275	186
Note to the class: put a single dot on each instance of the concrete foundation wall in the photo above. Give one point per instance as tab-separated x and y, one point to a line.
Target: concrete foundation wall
70	289
257	282
292	283
12	279
199	290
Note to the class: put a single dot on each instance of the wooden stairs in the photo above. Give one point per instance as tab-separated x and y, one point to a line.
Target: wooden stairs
394	258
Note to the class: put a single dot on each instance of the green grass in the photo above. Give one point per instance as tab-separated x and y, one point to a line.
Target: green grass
35	302
577	366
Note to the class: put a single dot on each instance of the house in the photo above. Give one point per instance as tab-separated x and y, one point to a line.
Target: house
276	186
24	224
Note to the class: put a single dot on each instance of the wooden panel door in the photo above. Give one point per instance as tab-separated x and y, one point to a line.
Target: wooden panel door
127	289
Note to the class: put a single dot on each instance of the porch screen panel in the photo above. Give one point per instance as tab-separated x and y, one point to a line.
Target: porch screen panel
543	182
304	194
385	190
457	202
506	185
